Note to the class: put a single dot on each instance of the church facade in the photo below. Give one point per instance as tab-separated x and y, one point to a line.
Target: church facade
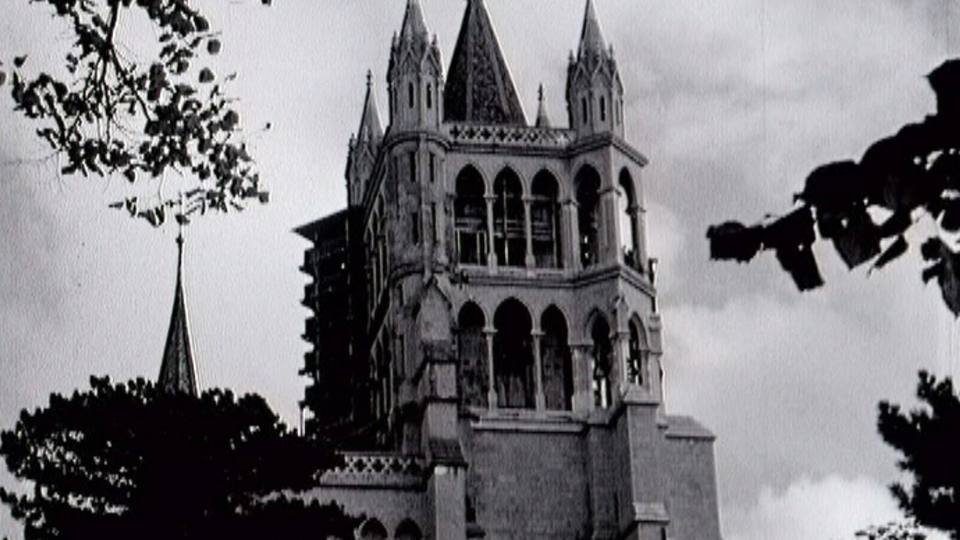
486	343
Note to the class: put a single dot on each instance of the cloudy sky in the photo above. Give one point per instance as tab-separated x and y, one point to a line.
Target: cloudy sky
734	102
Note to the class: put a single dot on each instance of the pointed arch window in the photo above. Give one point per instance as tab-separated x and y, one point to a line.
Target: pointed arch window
627	215
512	356
410	95
472	356
603	109
508	223
602	361
588	215
470	217
545	220
556	360
429	96
638	353
372	529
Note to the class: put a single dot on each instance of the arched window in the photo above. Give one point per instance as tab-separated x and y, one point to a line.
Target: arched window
638	352
408	530
627	209
512	356
472	354
603	109
588	215
372	529
555	357
508	226
602	363
545	220
410	95
470	217
583	108
429	96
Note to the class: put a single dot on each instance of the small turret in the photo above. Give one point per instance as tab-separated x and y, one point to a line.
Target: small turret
177	370
415	75
594	88
363	147
543	121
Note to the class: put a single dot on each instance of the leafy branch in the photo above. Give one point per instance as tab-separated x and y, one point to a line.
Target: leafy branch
113	115
866	208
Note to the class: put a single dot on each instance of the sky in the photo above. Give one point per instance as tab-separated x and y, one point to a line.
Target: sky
733	102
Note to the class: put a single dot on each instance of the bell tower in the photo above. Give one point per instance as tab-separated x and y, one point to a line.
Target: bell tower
594	88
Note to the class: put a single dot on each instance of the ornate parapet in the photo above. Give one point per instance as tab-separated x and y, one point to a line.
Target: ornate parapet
512	136
376	470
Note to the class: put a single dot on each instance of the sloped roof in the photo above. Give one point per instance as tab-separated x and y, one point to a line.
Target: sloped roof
177	370
479	88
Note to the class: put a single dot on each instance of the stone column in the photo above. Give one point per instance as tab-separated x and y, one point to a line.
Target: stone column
639	249
529	261
608	249
571	232
582	377
491	251
488	334
539	398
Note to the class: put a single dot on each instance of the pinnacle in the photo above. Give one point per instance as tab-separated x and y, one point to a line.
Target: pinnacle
591	38
177	369
413	23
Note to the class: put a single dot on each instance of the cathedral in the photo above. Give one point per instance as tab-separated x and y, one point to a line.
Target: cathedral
486	348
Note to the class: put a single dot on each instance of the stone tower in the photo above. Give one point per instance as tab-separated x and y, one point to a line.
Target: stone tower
500	326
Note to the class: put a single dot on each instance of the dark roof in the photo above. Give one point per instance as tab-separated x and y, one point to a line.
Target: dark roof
177	370
479	88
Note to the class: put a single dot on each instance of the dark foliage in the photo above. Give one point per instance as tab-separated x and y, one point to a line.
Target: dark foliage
112	115
865	208
130	461
893	531
929	441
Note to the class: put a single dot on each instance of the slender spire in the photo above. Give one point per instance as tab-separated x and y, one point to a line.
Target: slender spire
479	88
370	128
413	23
177	370
591	38
543	121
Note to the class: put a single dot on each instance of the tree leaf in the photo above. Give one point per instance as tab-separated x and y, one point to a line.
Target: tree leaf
897	248
800	263
734	241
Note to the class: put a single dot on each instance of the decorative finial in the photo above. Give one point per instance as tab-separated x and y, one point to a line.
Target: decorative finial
540	93
369	78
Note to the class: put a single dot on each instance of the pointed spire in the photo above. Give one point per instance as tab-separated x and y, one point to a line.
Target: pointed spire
413	23
543	121
370	128
591	38
177	370
479	88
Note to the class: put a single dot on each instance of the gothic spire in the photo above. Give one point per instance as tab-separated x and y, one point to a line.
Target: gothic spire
177	370
479	88
591	38
413	23
370	128
543	121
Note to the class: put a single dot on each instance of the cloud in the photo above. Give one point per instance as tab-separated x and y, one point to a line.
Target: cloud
828	508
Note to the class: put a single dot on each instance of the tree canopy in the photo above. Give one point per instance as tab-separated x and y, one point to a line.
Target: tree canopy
129	461
927	438
865	208
103	112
